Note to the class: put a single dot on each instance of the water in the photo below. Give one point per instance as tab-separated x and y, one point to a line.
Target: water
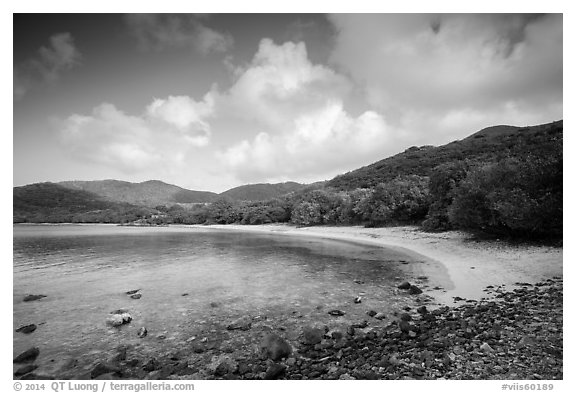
85	271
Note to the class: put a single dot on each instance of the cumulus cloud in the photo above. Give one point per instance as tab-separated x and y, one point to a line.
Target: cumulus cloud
160	31
161	136
48	64
428	66
298	106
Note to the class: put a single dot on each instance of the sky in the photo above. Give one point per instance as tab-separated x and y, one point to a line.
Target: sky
213	101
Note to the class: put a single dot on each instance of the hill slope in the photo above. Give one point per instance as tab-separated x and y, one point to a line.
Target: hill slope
49	202
486	145
262	191
149	193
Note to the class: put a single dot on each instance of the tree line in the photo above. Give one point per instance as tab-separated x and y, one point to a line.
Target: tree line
513	197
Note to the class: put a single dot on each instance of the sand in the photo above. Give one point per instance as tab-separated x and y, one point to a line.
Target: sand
452	260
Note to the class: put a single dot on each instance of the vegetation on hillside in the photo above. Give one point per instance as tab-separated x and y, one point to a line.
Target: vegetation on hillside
49	202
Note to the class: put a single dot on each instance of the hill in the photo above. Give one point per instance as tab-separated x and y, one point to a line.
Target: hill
50	202
262	191
149	193
488	145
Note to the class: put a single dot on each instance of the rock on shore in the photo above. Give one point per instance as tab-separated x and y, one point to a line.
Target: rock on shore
511	335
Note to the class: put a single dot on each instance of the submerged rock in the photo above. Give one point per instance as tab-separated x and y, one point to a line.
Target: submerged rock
25	369
336	313
117	319
142	332
275	347
27	329
31	298
244	323
132	292
404	285
136	296
103	368
380	316
27	356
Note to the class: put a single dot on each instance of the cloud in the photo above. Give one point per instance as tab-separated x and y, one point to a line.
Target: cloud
298	108
160	31
427	66
48	64
161	136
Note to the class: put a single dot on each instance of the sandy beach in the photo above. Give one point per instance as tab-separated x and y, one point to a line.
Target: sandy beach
452	260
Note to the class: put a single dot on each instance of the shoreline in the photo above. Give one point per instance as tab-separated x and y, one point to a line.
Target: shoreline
461	266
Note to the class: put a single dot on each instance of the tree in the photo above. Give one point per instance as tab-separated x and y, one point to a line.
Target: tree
444	180
514	197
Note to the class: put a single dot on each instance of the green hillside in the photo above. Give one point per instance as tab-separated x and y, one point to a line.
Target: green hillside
50	202
149	193
262	191
488	145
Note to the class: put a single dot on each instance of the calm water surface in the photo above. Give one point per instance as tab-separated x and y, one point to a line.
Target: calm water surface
85	271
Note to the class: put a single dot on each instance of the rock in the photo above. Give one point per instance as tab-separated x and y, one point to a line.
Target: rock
350	330
422	310
222	369
346	376
31	298
115	320
371	313
405	317
25	369
414	290
27	356
336	313
486	348
358	300
103	368
275	347
119	311
404	326
118	319
33	376
185	294
244	323
136	296
142	332
380	316
336	335
361	325
404	285
151	365
27	329
275	371
132	292
311	335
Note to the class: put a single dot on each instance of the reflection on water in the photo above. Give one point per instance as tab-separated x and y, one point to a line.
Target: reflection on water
86	270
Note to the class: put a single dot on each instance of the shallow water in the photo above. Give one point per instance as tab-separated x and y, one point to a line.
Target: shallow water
85	271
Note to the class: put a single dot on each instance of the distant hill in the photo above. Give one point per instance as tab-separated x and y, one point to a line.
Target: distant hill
487	145
149	193
50	202
262	191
